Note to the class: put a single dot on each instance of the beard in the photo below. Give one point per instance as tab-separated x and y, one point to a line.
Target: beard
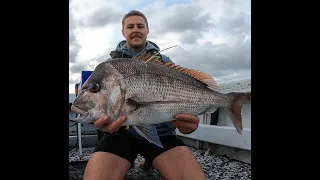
137	42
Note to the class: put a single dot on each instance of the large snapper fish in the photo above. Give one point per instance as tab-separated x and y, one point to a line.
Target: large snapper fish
149	91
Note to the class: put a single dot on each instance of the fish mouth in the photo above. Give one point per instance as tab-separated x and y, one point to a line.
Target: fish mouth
76	109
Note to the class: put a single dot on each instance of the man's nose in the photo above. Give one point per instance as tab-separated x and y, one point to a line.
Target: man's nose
135	29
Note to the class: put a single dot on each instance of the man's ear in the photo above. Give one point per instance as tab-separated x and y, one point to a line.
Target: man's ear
122	32
148	32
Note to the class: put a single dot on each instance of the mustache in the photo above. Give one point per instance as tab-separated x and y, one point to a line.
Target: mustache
136	35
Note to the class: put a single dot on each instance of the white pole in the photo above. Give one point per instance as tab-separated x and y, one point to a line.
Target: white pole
79	140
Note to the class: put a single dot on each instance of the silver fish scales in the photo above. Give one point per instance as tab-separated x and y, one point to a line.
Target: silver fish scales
149	93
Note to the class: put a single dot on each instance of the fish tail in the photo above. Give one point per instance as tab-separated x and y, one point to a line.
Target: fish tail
234	108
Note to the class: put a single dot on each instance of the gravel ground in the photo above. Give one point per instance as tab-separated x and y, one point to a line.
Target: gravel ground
214	166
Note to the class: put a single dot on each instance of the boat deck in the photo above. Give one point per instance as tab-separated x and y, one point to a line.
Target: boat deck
214	166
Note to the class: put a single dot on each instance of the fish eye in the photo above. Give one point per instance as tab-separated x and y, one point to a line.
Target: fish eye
94	87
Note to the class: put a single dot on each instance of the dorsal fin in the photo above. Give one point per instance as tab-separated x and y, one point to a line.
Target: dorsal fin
200	76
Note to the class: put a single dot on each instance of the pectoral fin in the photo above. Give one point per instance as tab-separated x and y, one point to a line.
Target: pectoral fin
150	133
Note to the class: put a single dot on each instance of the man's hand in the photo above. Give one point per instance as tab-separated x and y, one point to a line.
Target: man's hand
104	124
186	123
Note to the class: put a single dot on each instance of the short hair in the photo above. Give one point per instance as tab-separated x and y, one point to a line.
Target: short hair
135	13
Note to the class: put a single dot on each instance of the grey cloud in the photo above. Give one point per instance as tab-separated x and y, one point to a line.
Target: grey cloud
74	46
191	24
103	17
74	80
77	68
224	61
183	18
237	17
90	64
72	37
101	58
235	24
215	60
189	37
74	49
75	72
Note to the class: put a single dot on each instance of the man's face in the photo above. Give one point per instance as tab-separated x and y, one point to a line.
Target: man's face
135	31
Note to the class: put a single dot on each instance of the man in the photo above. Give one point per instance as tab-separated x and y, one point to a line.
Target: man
76	89
116	151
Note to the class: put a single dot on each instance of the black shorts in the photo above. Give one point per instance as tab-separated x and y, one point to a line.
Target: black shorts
128	147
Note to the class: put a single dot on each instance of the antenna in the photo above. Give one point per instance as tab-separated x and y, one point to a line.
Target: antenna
159	52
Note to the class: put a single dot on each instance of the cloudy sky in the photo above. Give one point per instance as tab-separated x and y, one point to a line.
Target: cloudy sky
213	36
